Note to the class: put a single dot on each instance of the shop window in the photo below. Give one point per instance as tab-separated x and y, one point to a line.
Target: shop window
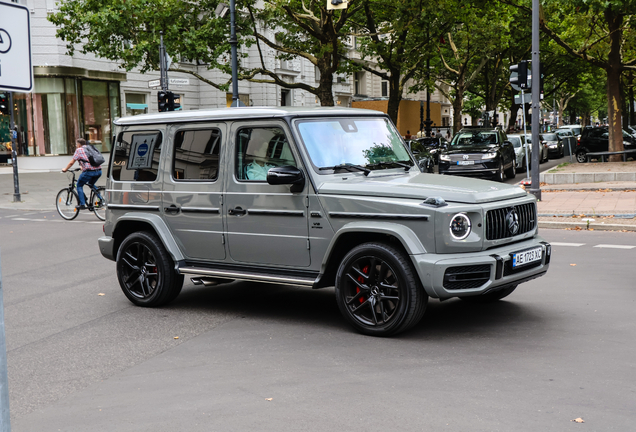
196	155
245	98
95	98
258	150
136	156
136	104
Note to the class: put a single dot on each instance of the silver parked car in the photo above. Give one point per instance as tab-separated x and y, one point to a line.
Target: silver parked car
312	197
519	143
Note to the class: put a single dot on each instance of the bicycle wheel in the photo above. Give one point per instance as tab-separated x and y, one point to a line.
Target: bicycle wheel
98	202
65	202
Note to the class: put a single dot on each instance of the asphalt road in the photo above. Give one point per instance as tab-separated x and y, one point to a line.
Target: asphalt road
275	358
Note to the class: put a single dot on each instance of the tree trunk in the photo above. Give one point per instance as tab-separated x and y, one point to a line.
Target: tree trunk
630	99
325	91
395	97
458	107
613	70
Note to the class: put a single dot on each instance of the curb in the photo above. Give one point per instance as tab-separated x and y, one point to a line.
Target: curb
615	215
586	189
584	226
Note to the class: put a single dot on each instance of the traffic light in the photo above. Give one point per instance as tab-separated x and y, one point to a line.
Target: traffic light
173	102
4	104
521	80
162	99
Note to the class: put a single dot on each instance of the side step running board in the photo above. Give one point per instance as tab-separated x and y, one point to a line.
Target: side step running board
247	276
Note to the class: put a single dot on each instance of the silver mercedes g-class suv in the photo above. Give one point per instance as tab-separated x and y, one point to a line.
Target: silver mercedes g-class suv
315	197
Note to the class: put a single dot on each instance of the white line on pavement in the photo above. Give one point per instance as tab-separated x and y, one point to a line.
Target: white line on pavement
609	246
567	244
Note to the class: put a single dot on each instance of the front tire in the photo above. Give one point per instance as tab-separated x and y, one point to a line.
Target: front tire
499	176
491	296
146	272
66	203
378	291
512	171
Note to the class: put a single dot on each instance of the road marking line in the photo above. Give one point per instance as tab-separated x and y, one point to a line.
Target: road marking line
609	246
567	244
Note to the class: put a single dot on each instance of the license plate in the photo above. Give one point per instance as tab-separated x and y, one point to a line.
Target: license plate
526	257
463	162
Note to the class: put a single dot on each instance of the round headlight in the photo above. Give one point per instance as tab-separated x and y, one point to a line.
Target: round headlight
460	226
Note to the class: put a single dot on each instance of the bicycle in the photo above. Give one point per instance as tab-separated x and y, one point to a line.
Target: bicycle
67	200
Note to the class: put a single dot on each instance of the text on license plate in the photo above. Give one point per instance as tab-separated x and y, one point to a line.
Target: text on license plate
463	162
526	257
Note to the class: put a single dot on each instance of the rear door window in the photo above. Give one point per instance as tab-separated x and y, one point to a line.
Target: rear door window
196	155
136	156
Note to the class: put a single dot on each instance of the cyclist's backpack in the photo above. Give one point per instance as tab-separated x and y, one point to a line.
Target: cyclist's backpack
95	158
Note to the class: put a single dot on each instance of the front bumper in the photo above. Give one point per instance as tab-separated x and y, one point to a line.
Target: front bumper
494	267
479	169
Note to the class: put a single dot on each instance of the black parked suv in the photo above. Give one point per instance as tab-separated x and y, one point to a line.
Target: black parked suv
479	152
597	140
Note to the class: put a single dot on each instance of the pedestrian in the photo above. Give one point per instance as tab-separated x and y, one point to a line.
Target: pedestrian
408	135
433	134
25	144
90	174
448	137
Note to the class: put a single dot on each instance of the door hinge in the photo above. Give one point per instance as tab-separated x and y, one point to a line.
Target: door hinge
308	247
222	238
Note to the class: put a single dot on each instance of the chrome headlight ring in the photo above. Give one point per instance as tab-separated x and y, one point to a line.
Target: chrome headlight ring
460	226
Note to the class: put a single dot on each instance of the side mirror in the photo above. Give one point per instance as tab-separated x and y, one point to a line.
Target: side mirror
287	175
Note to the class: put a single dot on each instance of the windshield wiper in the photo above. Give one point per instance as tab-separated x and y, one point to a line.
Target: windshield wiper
348	167
379	164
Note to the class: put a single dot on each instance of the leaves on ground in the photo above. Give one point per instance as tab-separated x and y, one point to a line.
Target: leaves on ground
176	337
101	294
271	399
578	420
573	265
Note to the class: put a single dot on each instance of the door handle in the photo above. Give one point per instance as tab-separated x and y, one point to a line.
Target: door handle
237	211
172	209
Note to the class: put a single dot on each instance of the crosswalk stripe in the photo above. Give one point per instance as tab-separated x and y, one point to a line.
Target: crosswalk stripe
567	244
609	246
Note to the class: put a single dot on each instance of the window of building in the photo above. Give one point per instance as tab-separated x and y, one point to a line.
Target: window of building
258	150
136	156
136	104
97	114
245	98
285	97
359	83
196	154
385	88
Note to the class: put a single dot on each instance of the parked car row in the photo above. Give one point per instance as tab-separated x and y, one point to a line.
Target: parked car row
597	140
482	152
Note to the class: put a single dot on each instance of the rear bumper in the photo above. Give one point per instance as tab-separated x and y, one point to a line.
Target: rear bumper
494	267
106	247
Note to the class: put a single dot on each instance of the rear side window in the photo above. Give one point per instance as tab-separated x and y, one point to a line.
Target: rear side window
136	156
196	155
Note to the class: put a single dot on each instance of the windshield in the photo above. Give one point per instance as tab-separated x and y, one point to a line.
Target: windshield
549	137
474	138
367	142
516	141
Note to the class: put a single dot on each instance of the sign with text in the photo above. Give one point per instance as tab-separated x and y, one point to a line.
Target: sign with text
171	81
16	69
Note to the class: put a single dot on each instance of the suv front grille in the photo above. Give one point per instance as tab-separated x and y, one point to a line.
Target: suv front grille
464	277
497	227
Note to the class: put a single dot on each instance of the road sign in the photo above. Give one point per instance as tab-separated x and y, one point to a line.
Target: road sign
171	81
527	98
16	68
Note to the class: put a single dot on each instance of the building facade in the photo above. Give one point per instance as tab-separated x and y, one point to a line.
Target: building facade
80	96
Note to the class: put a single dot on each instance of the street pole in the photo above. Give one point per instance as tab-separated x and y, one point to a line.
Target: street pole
162	64
14	154
525	132
535	187
5	419
234	43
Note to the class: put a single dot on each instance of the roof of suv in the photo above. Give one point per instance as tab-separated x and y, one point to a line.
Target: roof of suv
242	113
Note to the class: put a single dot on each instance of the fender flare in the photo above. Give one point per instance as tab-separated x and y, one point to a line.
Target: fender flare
410	241
161	229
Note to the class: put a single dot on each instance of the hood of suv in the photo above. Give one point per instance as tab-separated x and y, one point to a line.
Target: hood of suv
422	186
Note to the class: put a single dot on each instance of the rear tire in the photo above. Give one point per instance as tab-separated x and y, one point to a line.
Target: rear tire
99	205
378	291
580	156
512	171
491	296
66	202
146	272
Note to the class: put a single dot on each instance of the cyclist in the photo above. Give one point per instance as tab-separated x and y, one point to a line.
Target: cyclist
90	174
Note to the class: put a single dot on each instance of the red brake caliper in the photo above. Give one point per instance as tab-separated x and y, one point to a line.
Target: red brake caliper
365	270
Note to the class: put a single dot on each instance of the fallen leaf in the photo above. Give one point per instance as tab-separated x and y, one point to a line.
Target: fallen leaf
590	229
573	265
176	337
578	420
101	294
270	399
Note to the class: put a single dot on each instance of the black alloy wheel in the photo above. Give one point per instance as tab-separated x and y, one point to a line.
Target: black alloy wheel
146	272
378	291
491	296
